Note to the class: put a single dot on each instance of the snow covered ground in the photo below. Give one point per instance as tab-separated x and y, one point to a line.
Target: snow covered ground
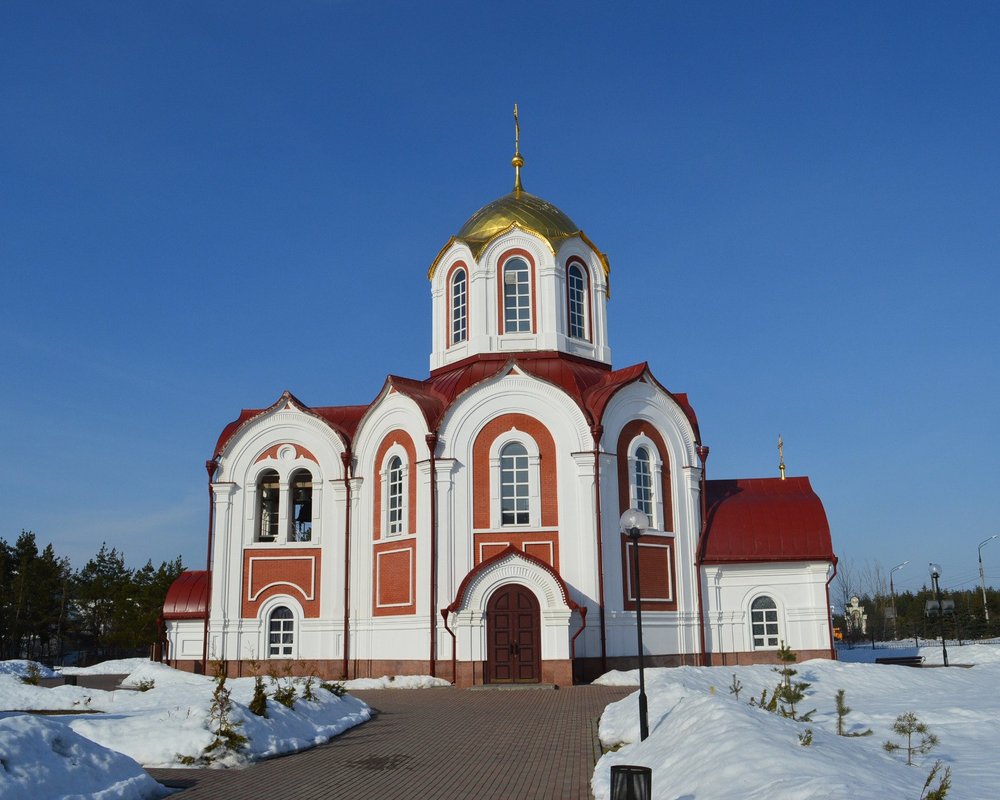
96	751
704	744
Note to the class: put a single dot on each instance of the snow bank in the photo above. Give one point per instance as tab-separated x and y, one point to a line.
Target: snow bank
93	752
705	744
40	757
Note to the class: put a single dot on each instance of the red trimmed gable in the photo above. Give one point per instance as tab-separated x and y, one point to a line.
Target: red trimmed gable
187	597
765	519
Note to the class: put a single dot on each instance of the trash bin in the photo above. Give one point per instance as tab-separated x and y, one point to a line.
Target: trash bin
631	783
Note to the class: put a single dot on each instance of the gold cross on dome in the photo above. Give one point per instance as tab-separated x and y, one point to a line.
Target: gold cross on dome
517	162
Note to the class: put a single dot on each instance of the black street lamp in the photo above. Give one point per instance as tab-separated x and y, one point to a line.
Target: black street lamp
982	576
634	524
939	610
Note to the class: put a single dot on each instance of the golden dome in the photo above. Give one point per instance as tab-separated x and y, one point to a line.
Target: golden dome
517	208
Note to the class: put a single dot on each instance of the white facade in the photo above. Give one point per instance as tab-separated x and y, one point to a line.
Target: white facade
468	524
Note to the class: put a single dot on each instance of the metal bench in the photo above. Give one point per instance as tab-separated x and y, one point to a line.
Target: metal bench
902	661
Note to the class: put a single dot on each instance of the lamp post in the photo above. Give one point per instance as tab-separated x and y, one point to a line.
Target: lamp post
935	574
892	592
634	524
982	575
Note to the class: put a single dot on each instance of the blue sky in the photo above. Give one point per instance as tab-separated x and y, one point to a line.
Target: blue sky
204	204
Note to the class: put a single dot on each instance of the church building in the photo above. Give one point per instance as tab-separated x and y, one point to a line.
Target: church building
467	524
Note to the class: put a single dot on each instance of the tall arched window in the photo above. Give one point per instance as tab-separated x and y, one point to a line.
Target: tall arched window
459	307
394	495
514	506
764	622
577	292
268	494
280	632
301	521
516	296
644	483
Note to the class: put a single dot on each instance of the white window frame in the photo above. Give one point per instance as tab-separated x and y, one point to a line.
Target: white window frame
458	317
656	474
520	291
776	622
534	480
266	611
578	302
396	451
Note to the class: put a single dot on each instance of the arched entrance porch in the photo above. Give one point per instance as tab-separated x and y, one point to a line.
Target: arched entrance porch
512	621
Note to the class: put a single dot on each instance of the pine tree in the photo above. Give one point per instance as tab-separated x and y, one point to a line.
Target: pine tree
944	784
227	737
789	692
842	711
909	726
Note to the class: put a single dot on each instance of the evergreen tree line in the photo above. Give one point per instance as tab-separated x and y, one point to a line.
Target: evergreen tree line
49	612
871	587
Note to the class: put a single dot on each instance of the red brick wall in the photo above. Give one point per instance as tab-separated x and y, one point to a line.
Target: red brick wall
394	577
542	545
292	571
657	573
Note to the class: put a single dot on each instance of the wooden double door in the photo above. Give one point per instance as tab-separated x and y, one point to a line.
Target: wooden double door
513	631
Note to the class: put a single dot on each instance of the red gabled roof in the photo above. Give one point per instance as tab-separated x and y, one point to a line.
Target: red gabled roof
187	597
342	419
765	519
591	384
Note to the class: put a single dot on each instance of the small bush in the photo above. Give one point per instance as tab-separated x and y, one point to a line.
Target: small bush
735	687
258	703
806	737
334	688
943	786
34	676
145	685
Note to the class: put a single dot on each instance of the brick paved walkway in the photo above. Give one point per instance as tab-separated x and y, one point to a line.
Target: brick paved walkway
434	744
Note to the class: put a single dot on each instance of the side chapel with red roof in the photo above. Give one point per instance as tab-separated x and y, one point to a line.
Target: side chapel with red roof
467	525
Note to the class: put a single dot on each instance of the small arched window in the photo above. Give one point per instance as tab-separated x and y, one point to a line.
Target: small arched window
514	505
394	495
764	623
577	292
516	296
281	632
301	521
268	495
644	483
459	307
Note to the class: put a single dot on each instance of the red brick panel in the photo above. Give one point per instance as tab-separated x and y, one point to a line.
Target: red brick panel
548	493
294	572
638	427
657	574
543	546
394	578
402	438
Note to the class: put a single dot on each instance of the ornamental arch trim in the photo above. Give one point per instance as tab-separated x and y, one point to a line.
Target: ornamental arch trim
512	566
